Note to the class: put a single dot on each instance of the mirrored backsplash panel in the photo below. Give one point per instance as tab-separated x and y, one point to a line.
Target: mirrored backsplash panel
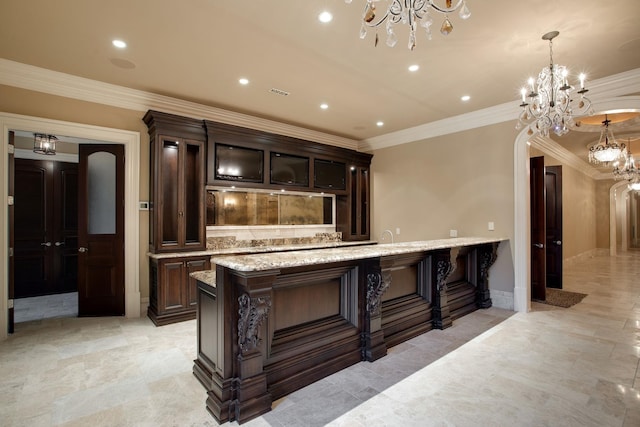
242	207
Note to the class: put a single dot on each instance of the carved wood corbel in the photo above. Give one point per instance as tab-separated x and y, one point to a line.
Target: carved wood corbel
251	314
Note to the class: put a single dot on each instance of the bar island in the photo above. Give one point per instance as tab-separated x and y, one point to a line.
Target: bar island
269	324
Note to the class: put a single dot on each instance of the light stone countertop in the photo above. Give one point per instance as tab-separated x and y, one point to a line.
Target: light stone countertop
262	249
271	261
206	276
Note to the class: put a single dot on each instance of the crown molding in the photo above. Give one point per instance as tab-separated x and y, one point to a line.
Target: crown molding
603	89
61	84
552	148
38	79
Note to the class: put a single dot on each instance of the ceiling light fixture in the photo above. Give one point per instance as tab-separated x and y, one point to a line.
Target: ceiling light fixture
607	150
119	44
411	13
325	17
465	98
324	106
243	81
44	144
550	106
629	172
379	124
414	68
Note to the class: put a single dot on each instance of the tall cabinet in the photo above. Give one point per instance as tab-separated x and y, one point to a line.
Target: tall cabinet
177	160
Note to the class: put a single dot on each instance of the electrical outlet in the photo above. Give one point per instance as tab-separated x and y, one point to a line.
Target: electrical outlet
491	226
398	231
453	233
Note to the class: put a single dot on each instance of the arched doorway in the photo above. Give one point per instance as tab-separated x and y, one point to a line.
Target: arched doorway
522	241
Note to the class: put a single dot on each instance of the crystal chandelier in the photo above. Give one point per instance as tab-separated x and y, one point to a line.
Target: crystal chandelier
629	172
411	13
44	144
607	150
550	106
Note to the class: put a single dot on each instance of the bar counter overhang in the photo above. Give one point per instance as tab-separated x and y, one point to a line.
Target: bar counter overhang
269	324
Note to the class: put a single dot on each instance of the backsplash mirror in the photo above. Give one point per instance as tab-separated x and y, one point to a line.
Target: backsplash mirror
252	207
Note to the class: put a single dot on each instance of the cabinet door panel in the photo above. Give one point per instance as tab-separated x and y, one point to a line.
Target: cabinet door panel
172	290
170	195
193	192
192	291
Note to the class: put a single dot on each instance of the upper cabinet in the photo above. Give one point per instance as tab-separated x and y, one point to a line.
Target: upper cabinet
187	154
176	187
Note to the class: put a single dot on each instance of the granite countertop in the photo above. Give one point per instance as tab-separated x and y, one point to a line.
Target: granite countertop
270	261
206	276
263	249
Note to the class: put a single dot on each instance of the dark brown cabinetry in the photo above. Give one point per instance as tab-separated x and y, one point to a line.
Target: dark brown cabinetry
173	293
177	166
359	203
177	169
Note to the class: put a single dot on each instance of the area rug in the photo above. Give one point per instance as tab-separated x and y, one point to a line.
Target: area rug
560	298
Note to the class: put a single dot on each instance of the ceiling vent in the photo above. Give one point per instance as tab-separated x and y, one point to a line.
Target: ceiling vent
279	91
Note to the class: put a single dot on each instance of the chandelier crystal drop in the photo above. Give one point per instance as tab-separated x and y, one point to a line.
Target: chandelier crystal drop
546	102
629	172
414	13
607	150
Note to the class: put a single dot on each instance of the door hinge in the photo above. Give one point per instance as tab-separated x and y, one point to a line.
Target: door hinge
10	251
11	149
10	200
10	303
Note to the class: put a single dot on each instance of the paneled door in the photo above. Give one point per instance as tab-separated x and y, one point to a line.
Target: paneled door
45	227
538	229
553	200
101	230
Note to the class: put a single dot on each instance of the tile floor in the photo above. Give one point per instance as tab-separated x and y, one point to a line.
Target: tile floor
45	307
549	367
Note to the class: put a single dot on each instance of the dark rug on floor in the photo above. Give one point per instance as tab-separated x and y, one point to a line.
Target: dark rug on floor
560	298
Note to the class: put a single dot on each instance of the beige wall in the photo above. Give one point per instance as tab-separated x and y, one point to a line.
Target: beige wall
460	181
36	104
603	215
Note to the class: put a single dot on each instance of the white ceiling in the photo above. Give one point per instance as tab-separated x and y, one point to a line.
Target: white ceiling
197	50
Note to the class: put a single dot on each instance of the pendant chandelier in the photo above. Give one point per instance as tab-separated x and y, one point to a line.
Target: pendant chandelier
44	144
607	150
413	13
629	172
548	106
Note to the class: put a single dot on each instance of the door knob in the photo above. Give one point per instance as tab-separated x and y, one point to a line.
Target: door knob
557	242
47	244
59	243
538	245
82	249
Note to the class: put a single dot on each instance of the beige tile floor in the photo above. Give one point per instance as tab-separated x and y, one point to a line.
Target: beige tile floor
549	367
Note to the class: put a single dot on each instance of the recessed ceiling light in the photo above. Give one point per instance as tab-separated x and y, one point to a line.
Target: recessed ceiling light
414	67
379	124
325	17
465	98
324	106
119	44
243	81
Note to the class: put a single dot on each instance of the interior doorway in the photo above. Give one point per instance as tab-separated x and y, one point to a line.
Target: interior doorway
131	142
68	230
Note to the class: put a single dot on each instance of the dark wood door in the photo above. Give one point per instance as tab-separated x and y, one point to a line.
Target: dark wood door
538	228
45	227
11	213
101	230
553	200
